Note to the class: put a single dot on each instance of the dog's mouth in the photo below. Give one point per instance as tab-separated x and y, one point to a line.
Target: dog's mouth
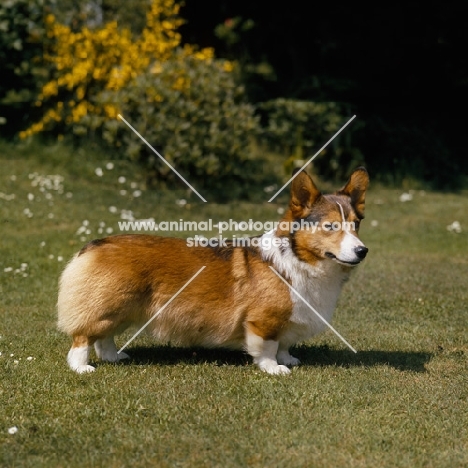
342	262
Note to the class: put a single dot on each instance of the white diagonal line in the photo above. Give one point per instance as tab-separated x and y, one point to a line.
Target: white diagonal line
313	157
157	154
314	311
161	309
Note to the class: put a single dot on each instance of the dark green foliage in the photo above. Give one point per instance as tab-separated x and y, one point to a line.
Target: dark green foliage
21	46
298	129
76	14
396	65
404	148
129	14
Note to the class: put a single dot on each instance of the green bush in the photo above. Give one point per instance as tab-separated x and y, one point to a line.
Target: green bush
298	129
194	112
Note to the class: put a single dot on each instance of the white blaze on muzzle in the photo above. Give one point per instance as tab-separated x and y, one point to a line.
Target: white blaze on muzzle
349	242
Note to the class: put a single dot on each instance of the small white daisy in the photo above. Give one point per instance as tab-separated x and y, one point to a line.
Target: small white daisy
80	230
269	188
127	214
455	227
405	197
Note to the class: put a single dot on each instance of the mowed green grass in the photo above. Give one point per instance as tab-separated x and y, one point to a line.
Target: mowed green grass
401	401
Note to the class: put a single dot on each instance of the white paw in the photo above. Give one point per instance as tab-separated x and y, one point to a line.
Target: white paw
273	368
85	368
287	359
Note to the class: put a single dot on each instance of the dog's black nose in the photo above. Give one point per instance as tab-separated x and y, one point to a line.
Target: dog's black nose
361	251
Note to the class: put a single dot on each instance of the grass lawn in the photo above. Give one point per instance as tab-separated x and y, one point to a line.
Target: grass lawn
401	401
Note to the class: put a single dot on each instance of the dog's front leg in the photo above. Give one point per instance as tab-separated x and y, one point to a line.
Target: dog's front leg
264	353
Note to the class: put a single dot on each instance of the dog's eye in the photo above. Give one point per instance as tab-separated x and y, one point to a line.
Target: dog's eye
332	226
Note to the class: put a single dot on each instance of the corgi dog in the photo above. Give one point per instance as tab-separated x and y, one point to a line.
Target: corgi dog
237	301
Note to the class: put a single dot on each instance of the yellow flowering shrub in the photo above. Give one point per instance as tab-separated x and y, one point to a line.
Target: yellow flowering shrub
183	99
90	61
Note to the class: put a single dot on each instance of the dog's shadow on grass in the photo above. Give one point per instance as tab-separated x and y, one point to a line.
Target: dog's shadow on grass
310	356
322	356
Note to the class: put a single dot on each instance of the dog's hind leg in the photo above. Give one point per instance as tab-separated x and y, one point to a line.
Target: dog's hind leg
78	355
107	351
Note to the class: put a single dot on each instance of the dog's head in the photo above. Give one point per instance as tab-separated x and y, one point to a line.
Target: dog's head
326	227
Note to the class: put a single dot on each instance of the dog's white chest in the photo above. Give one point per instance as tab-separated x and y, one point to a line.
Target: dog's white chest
314	305
315	302
315	292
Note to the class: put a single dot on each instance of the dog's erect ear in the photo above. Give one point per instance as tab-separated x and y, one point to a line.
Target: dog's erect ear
356	188
304	194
